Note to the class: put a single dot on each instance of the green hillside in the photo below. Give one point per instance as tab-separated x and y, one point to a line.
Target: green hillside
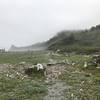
79	41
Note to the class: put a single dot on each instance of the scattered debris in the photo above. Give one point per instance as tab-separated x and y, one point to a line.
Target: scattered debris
98	67
39	67
72	95
96	58
23	62
85	64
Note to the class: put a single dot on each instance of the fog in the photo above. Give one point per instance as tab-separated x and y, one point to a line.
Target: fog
25	22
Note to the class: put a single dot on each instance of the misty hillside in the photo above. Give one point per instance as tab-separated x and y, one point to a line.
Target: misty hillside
85	40
35	47
82	40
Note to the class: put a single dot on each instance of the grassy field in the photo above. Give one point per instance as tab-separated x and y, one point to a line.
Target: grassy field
84	82
16	87
21	89
29	57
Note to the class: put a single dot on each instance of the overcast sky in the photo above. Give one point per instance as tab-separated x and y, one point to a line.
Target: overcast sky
25	22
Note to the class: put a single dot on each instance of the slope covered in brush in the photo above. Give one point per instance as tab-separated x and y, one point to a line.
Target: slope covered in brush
85	40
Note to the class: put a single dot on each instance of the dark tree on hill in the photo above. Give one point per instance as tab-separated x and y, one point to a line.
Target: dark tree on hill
98	27
72	37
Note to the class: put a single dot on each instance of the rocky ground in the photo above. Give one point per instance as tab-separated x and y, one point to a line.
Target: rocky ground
63	81
56	87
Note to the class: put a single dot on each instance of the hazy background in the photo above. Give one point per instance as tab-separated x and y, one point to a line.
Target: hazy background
25	22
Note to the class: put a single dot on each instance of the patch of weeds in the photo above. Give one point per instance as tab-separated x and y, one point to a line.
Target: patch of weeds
18	89
82	87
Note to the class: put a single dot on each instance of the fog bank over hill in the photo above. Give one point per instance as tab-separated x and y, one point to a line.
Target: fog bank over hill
34	47
25	22
80	40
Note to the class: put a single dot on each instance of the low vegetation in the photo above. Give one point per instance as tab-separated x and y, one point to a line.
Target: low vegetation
19	88
83	82
29	57
84	41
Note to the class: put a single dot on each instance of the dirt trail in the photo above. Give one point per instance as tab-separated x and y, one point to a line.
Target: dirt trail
57	87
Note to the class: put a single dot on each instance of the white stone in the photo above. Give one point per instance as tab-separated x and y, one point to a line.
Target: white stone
39	66
85	64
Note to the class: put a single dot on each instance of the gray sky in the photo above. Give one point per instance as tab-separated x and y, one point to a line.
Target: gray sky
25	22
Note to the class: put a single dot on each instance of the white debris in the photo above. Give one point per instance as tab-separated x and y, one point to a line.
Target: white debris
11	76
98	67
87	56
85	64
82	82
58	50
33	66
39	66
18	73
72	95
73	64
24	77
81	90
23	62
7	75
76	71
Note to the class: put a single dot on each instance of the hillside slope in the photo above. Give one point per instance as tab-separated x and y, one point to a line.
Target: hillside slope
35	47
85	40
69	41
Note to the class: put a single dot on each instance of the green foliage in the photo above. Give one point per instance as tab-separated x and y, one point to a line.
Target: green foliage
21	89
28	57
78	41
84	83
